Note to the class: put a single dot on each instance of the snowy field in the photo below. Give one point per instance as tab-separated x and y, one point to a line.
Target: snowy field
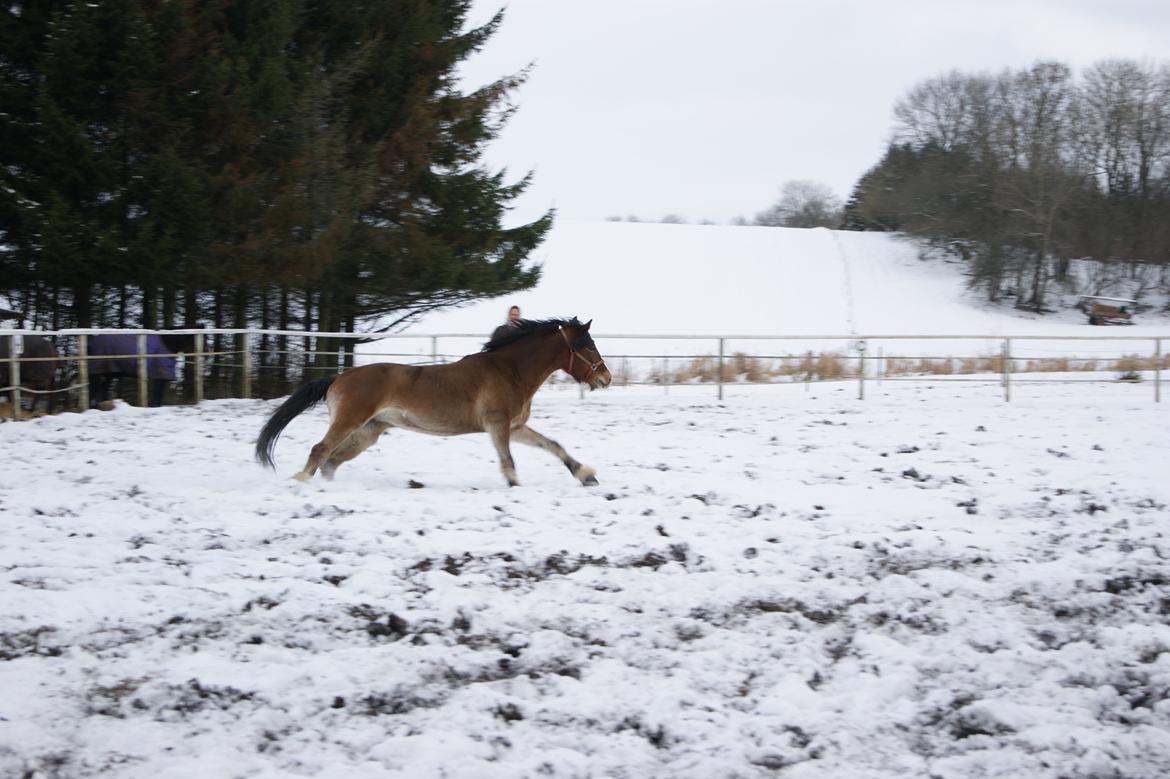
790	583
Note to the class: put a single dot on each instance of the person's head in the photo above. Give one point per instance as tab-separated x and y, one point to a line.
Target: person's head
513	313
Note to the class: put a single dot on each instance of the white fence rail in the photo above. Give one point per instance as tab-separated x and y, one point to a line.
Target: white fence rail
859	358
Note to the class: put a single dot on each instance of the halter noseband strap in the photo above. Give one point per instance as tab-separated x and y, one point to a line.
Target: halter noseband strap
593	366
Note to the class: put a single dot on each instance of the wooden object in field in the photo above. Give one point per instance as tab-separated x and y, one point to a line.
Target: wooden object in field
1107	311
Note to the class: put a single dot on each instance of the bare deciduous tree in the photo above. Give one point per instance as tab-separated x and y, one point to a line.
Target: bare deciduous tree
803	203
1023	171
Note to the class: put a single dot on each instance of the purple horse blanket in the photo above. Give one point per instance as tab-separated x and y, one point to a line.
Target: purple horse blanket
164	366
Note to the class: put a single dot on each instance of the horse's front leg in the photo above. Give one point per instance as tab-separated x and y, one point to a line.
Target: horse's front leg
583	473
497	426
157	389
99	389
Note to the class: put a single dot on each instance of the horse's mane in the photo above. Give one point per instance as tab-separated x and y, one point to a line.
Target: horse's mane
525	327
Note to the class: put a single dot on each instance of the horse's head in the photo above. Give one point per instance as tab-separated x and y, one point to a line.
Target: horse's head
178	343
584	362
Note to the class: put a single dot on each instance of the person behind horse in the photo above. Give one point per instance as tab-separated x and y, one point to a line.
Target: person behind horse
504	329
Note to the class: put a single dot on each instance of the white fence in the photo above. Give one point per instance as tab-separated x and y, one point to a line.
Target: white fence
641	359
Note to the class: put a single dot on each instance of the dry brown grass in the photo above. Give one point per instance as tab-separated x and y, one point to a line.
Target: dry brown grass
943	367
6	412
1059	365
1135	362
703	369
930	366
810	366
830	366
897	366
986	364
621	372
750	369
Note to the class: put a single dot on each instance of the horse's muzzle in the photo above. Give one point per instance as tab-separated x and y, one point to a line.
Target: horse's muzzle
601	379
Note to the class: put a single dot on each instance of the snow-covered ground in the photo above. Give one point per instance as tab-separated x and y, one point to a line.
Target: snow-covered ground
789	583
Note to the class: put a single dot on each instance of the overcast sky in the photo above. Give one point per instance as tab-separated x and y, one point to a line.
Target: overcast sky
705	107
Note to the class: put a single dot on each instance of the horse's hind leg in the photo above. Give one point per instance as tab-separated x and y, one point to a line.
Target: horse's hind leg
99	388
497	428
358	441
345	423
583	473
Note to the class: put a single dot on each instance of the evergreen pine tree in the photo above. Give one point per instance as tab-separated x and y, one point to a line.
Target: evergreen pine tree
235	161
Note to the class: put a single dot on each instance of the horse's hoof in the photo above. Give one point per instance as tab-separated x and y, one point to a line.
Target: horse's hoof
589	481
302	476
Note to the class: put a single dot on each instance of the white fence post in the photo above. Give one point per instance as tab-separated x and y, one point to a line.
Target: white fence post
143	400
861	369
83	372
199	367
720	369
15	349
1007	370
1157	370
246	389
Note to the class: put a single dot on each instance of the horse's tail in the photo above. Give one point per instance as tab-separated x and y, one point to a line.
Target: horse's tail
303	399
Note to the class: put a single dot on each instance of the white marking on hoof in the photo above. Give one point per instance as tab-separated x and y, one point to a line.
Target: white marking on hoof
586	475
302	476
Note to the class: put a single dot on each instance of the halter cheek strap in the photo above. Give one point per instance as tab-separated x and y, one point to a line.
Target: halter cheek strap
593	366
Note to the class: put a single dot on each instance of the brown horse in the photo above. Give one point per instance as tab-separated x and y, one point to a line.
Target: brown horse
38	375
489	392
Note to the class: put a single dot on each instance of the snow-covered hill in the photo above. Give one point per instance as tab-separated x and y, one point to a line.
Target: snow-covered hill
665	278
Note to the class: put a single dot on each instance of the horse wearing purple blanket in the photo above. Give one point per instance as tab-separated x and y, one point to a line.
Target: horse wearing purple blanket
115	356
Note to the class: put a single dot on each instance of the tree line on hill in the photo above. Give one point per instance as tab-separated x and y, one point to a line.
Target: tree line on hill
1022	172
276	163
802	203
1019	173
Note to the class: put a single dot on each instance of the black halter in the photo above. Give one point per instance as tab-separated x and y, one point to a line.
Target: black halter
574	354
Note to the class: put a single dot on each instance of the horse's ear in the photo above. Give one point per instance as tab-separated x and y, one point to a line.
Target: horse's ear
587	324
